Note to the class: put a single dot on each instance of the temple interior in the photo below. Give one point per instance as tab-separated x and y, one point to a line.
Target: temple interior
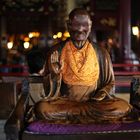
27	25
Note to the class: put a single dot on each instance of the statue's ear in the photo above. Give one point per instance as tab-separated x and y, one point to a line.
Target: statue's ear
91	23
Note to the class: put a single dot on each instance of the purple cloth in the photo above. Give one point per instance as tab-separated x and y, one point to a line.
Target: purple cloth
45	128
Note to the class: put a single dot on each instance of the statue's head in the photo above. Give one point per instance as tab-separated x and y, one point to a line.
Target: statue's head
79	24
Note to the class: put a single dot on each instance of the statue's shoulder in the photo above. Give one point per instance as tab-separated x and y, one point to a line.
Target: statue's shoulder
59	46
95	46
100	50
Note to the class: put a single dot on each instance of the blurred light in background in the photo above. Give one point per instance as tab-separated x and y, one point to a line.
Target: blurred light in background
54	36
26	39
59	34
33	34
10	45
135	30
26	45
110	41
66	34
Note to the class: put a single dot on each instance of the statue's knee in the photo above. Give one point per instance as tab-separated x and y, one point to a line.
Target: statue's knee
40	107
123	106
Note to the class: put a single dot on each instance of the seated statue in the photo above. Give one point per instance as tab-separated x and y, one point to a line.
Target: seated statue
80	80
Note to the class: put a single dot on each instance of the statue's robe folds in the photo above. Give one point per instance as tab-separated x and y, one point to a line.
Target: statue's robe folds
77	103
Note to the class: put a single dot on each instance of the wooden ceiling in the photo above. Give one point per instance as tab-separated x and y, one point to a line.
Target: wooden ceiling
22	16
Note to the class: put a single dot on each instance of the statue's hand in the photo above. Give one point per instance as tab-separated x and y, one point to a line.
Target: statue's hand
99	97
56	65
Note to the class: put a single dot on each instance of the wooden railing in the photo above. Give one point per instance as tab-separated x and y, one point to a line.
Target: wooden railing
123	74
22	70
14	70
126	69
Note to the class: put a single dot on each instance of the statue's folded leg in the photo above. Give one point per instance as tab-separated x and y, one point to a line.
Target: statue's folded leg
112	110
63	110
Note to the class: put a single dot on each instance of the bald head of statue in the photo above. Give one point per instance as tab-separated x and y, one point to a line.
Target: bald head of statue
79	26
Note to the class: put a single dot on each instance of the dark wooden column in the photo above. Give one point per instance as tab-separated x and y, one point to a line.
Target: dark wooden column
125	28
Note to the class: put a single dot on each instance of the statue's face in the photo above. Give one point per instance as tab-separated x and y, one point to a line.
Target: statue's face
80	27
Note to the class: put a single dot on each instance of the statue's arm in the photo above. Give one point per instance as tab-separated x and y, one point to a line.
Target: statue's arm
106	82
52	71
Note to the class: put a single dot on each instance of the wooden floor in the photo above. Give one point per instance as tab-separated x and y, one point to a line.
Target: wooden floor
124	96
2	135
